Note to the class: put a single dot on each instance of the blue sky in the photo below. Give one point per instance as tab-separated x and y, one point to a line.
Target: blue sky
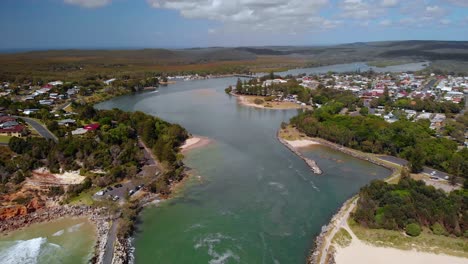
46	24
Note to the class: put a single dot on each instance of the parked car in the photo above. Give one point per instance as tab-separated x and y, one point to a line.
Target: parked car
118	185
131	192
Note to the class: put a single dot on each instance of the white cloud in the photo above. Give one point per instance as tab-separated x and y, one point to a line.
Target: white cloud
445	22
385	23
253	14
435	11
360	9
88	3
458	2
390	3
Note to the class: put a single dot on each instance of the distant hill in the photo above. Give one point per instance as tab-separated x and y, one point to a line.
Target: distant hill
224	60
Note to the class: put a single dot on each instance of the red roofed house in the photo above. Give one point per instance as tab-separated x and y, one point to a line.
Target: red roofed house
92	127
15	131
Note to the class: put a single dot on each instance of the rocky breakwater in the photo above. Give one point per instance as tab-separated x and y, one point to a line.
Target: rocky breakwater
311	163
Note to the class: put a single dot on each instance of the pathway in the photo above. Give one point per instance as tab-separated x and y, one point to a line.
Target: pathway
109	249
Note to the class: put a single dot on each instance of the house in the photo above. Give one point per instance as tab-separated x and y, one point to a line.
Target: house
79	131
9	124
29	111
56	83
15	131
92	127
67	122
107	82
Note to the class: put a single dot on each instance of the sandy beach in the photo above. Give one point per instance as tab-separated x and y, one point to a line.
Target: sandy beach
195	142
302	143
247	100
359	252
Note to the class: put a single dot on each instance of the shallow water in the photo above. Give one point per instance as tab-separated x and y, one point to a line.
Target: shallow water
68	241
255	201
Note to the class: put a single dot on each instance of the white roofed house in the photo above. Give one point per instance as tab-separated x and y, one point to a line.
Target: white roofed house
108	82
56	83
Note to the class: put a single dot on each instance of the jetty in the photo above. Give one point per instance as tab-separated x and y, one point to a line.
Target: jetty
311	163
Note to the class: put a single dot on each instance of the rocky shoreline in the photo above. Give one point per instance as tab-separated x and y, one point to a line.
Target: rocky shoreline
316	251
96	215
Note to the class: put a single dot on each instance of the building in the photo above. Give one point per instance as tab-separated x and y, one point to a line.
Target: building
92	127
15	131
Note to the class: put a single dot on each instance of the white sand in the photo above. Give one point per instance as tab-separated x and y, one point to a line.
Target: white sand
359	253
195	142
70	177
302	143
190	142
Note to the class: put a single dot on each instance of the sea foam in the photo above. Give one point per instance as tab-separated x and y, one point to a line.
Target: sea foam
23	251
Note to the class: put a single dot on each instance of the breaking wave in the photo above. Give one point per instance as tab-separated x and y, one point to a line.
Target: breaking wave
23	251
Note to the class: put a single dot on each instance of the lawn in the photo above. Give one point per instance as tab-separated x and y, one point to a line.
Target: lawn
84	197
4	139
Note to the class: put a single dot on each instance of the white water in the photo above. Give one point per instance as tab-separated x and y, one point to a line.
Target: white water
23	251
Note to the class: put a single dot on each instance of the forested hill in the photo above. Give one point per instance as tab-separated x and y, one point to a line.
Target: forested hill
220	60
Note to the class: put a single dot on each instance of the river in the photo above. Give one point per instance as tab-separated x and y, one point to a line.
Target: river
255	201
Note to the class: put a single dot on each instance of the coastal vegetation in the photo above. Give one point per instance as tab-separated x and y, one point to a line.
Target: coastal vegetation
112	149
414	141
410	206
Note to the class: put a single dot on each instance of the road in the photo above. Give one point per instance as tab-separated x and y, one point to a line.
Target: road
109	249
429	171
42	130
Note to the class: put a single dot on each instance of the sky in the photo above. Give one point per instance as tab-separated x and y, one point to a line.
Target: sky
58	24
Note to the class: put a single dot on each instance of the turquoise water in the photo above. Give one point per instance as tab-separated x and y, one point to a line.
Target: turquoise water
255	201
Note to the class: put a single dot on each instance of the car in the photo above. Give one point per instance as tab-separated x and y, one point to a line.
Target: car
115	198
109	188
100	193
131	192
446	177
118	185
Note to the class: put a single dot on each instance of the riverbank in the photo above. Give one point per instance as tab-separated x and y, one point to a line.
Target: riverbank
358	252
195	142
249	100
97	216
322	251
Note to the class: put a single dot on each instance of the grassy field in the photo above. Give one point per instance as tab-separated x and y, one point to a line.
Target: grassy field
84	197
4	139
342	238
427	241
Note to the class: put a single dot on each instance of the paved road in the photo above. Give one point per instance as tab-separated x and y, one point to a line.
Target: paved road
109	249
429	171
42	130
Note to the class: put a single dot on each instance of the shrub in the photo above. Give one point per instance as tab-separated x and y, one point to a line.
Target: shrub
258	101
413	230
438	229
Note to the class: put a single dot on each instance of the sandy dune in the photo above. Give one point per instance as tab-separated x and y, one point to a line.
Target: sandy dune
358	253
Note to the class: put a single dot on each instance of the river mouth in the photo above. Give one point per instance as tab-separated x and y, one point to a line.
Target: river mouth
255	202
66	240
